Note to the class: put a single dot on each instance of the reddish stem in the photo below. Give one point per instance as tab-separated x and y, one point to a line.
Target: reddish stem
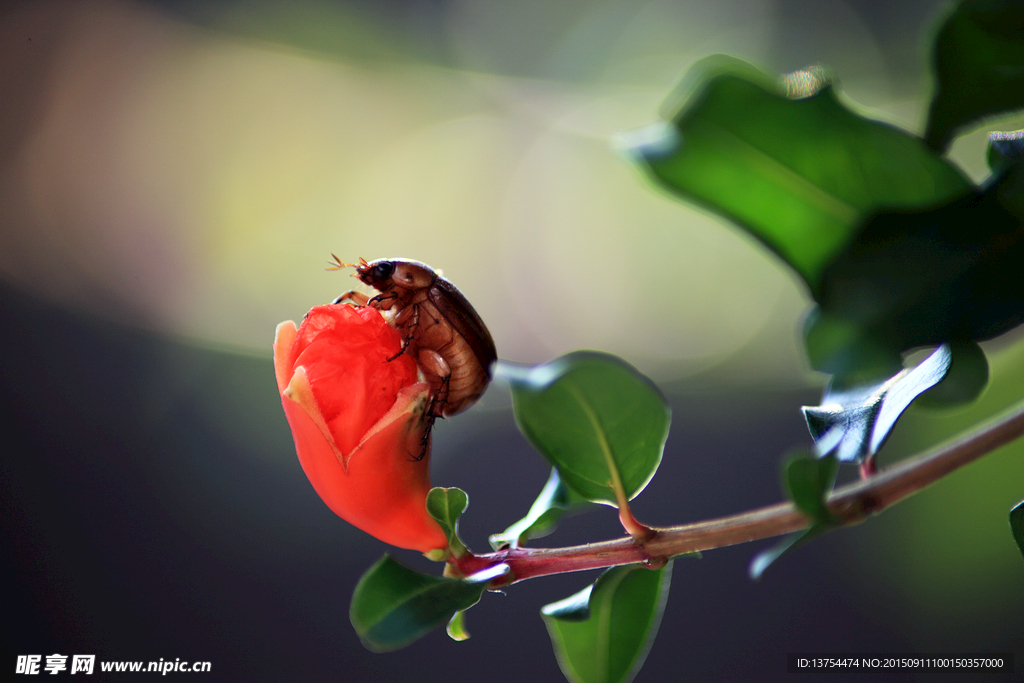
849	504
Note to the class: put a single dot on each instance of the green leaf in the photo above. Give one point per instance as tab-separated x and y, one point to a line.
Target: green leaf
595	418
907	280
809	482
457	627
965	380
393	605
1017	525
446	505
789	163
979	67
603	633
850	425
576	607
1005	150
766	558
854	421
555	501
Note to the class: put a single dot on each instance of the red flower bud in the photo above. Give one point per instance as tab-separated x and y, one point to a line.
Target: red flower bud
357	421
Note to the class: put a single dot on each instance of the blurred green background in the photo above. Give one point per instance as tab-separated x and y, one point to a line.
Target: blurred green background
173	179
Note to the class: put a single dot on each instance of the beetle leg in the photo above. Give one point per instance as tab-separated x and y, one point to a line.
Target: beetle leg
438	373
385	298
439	403
407	321
425	441
358	298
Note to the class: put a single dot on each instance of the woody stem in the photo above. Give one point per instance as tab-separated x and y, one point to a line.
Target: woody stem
849	504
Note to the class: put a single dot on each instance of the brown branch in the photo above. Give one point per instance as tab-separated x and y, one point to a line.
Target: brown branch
850	504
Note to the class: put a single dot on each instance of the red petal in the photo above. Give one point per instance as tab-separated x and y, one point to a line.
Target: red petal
371	408
384	491
284	363
345	351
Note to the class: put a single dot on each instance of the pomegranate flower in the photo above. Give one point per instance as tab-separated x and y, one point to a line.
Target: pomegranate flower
357	421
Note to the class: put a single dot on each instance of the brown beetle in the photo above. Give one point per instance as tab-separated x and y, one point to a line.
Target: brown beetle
439	327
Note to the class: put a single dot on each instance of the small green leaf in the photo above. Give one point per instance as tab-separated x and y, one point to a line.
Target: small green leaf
555	501
965	380
979	67
1017	525
576	607
766	558
603	633
595	418
457	627
393	605
854	421
1004	150
789	163
809	482
446	505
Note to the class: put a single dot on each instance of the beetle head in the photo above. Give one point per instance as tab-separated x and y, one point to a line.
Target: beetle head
385	274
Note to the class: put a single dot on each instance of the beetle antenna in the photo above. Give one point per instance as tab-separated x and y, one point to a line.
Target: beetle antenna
338	265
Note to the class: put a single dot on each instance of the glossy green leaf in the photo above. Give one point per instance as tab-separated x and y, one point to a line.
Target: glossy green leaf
576	607
809	481
979	67
457	627
854	421
555	501
1005	150
393	605
965	380
595	418
1017	525
766	558
446	505
603	633
789	163
850	425
914	279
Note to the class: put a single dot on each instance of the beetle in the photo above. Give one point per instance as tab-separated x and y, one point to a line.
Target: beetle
440	329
